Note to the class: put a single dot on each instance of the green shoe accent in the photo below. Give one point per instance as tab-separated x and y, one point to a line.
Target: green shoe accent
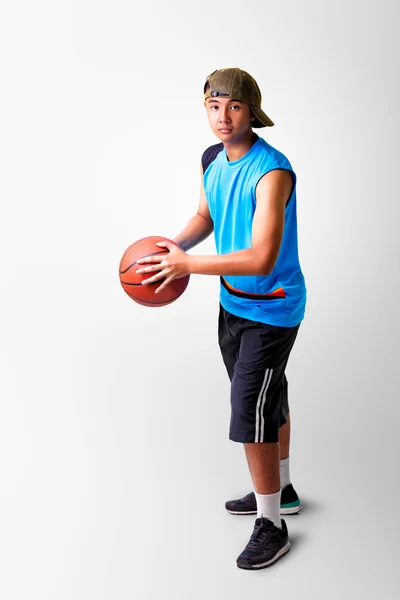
291	504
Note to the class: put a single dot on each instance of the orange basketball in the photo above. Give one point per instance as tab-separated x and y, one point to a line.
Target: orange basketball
132	281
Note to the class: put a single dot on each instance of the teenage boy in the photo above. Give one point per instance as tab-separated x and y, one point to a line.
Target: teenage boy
248	199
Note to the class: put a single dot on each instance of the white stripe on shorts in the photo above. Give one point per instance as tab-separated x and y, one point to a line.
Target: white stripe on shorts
260	406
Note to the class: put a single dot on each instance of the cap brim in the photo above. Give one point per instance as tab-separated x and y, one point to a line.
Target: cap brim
261	120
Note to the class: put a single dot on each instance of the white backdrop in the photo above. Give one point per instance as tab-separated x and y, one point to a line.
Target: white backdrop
115	459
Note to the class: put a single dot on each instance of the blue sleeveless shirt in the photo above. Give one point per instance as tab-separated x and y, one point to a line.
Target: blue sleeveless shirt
230	188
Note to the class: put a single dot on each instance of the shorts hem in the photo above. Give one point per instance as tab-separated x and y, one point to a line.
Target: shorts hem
250	438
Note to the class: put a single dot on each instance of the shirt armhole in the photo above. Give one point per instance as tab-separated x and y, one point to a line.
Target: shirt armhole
294	180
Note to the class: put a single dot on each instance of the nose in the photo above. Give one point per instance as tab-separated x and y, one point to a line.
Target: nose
224	114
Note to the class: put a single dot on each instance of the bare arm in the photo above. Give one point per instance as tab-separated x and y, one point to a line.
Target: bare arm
200	226
272	193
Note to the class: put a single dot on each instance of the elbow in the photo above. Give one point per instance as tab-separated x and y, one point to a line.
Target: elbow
267	271
264	261
266	267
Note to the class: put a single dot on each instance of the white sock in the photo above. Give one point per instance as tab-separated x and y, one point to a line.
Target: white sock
269	506
284	472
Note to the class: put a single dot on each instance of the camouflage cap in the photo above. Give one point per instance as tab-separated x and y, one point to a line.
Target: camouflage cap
238	85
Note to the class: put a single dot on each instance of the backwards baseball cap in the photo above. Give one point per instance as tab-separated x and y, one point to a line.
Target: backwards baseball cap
238	85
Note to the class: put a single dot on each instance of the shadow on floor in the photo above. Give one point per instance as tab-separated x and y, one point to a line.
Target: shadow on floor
310	505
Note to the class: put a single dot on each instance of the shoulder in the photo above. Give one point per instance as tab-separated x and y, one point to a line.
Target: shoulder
272	159
274	156
210	154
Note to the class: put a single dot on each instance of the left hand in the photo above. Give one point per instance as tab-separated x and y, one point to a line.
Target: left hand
170	266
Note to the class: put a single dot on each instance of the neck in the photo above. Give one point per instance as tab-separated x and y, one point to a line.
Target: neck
238	148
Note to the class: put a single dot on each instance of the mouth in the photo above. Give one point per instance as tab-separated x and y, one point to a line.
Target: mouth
225	130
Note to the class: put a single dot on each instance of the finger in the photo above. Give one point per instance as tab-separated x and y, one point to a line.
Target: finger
156	277
149	269
149	259
152	268
163	285
165	244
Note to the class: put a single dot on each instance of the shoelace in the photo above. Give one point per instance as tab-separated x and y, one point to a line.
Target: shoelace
259	535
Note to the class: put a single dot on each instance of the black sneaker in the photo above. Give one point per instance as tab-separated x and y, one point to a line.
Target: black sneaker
267	543
244	506
290	503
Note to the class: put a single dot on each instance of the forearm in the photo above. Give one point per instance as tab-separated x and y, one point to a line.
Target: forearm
196	231
242	262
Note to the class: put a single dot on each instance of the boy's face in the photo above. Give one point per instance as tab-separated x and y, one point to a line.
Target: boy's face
229	119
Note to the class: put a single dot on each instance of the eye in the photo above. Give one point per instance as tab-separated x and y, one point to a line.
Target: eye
235	106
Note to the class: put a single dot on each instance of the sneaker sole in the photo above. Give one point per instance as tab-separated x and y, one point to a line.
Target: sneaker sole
249	512
277	556
293	510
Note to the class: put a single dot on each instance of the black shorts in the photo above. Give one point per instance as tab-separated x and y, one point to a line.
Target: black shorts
255	356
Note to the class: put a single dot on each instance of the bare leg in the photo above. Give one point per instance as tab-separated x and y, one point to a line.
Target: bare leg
263	461
263	550
284	438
